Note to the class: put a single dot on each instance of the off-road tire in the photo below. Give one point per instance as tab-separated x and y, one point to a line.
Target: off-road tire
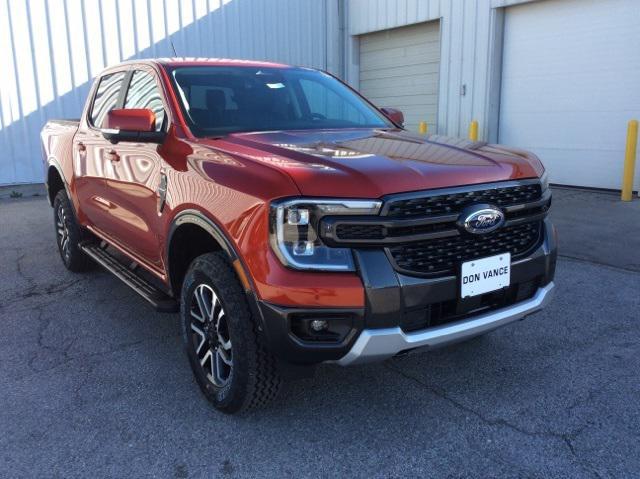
69	235
253	379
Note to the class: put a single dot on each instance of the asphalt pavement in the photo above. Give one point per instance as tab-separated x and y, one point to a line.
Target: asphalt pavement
94	383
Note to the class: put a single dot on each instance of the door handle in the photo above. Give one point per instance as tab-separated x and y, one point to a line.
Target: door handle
81	147
113	156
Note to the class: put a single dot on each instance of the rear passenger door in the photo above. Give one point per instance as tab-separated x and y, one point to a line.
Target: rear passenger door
133	177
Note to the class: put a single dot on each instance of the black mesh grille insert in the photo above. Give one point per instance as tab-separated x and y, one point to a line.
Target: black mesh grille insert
454	202
444	254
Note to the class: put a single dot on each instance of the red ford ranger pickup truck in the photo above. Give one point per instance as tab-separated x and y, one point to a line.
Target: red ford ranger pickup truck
290	221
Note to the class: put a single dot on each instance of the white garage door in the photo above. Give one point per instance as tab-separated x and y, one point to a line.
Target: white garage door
571	82
399	69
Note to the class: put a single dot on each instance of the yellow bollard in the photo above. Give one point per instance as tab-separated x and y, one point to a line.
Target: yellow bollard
629	160
473	130
422	127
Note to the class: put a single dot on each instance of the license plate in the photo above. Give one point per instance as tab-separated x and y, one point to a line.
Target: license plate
485	275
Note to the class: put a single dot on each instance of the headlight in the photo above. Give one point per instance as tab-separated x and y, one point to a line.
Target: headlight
294	232
544	181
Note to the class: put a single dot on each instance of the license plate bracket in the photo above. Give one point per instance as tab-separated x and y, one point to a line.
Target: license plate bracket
485	275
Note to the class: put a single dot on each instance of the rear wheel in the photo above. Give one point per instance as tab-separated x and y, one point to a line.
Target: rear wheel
68	234
227	354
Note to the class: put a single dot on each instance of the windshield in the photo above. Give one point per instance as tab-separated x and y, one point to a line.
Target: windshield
221	100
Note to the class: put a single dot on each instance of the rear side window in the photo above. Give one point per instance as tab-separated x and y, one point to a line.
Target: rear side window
106	97
144	93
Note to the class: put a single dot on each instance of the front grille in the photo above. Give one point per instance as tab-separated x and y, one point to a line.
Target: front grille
444	254
443	312
453	203
421	231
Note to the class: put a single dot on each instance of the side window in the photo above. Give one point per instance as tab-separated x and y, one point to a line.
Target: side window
106	97
144	93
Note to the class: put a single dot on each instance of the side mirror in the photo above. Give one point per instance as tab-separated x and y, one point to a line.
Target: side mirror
394	115
135	124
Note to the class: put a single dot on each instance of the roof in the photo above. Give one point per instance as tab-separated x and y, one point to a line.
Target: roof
191	61
172	62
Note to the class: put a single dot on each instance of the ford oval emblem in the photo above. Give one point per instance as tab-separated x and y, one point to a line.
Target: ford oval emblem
481	219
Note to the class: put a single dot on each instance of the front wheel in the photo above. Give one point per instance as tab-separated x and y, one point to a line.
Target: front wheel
227	354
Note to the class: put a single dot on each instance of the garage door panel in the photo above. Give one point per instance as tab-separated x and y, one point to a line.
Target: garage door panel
399	68
524	130
422	50
385	42
415	113
601	92
405	103
419	114
406	90
402	81
599	162
570	83
412	35
410	70
379	61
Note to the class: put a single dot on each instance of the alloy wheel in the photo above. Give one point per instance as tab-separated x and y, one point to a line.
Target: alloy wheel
63	231
210	335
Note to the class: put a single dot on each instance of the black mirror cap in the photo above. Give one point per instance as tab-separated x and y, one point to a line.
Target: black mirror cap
116	136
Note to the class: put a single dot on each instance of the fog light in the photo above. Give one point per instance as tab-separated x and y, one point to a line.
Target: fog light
319	325
320	328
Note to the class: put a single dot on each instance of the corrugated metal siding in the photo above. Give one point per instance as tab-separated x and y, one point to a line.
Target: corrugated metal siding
468	39
53	48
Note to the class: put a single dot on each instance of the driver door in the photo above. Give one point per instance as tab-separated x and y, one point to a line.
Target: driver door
91	151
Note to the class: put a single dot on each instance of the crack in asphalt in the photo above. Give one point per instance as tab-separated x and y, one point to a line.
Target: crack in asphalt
44	322
21	273
590	395
33	292
33	289
70	358
566	438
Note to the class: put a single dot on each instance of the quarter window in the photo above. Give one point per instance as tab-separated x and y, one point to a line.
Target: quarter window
144	93
106	97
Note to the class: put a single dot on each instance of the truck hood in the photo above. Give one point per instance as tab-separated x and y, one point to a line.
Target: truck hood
373	163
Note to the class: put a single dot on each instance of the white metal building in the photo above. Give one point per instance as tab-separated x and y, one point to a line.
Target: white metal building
559	77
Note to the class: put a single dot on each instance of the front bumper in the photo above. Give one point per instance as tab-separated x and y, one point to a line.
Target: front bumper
380	344
393	300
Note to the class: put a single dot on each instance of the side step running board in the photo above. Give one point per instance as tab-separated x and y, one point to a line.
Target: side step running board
161	301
